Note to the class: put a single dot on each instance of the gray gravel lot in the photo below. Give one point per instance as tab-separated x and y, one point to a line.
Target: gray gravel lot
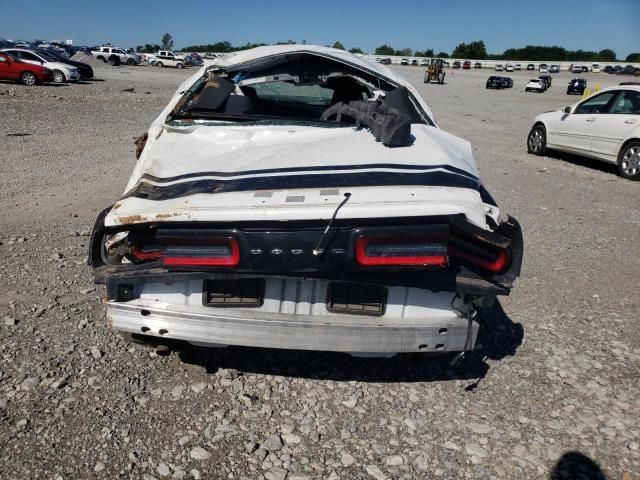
552	391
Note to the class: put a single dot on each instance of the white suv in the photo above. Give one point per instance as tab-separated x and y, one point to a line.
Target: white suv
166	58
534	85
115	56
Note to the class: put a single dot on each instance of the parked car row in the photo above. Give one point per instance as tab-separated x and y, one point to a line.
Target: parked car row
62	49
514	67
405	61
163	58
18	65
619	70
166	58
423	62
14	69
604	126
575	68
540	84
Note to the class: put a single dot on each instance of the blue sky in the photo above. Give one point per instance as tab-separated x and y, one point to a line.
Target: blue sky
441	24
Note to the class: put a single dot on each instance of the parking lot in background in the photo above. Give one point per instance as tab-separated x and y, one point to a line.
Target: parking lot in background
556	373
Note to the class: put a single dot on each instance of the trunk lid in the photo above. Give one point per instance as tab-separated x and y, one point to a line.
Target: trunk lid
206	172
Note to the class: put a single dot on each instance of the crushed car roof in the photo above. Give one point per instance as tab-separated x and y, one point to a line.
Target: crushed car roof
200	169
245	56
232	60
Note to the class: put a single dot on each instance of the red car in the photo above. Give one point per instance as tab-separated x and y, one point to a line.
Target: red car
12	68
466	65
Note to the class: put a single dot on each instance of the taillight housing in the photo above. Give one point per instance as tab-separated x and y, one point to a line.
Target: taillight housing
215	252
145	253
430	246
495	264
385	250
188	249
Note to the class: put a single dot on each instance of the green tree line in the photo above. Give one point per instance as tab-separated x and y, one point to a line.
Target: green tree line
386	50
224	47
535	52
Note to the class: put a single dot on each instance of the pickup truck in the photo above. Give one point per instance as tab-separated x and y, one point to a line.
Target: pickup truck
114	56
169	59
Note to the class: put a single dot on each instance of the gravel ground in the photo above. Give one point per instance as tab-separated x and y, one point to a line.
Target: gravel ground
552	391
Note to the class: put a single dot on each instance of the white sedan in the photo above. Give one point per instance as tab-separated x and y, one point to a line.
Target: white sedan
62	72
605	126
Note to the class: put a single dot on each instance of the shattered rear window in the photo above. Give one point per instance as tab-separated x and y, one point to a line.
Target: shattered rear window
288	92
303	88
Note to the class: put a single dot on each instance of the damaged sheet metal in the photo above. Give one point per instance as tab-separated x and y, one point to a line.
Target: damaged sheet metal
140	142
235	227
388	125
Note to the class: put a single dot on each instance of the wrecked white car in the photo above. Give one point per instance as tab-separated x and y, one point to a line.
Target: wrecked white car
303	197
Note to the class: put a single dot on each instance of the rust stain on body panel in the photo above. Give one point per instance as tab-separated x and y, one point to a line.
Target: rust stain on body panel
129	219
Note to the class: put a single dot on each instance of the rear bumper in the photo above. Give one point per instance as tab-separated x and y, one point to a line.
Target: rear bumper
424	309
349	334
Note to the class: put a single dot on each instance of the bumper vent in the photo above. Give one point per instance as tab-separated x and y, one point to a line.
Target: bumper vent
248	292
356	299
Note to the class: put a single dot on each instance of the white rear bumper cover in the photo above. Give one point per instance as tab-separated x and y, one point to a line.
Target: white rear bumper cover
426	324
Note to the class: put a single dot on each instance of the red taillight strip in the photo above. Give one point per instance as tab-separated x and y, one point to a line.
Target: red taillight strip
139	254
419	260
194	261
468	255
191	258
199	262
494	266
